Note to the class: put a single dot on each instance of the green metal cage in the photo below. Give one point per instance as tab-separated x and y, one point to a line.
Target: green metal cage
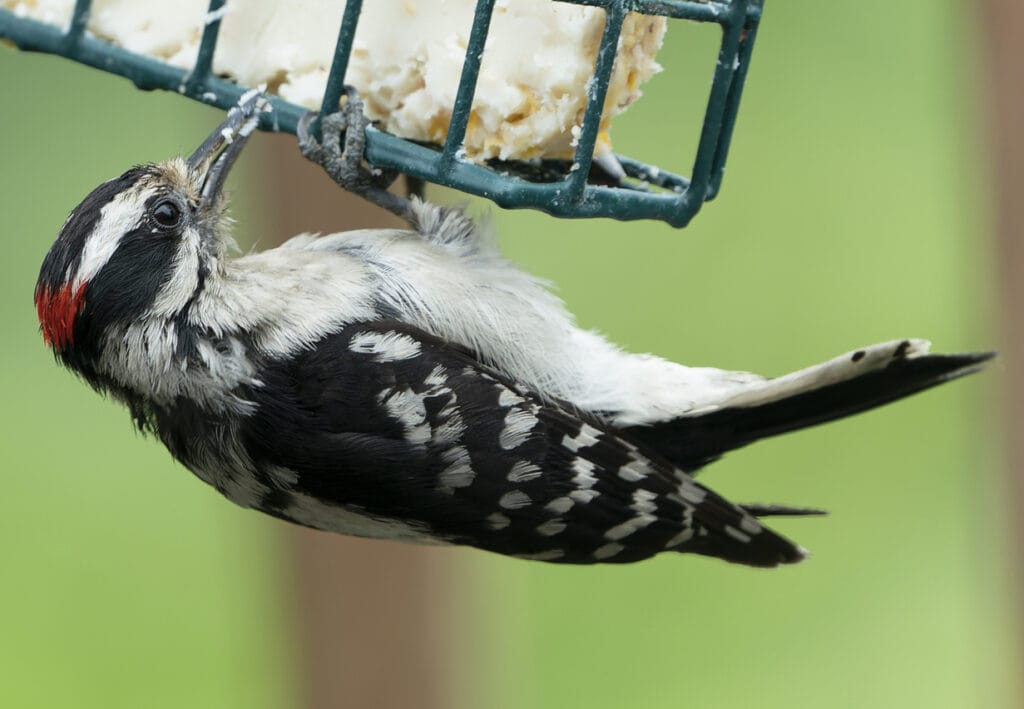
559	187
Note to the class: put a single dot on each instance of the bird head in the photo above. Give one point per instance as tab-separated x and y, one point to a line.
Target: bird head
141	245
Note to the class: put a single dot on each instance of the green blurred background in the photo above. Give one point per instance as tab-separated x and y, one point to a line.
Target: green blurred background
854	210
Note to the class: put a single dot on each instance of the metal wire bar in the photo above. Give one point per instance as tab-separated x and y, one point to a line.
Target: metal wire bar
463	106
615	14
746	46
557	187
339	66
195	80
715	118
79	18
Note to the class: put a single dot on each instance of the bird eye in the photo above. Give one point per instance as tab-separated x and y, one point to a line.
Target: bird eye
167	214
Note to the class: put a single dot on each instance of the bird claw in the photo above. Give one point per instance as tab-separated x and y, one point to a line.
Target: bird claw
341	154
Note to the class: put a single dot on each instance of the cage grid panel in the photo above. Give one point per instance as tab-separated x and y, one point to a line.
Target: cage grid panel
558	187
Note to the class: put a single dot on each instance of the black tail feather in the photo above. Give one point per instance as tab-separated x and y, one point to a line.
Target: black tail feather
767	549
758	510
693	441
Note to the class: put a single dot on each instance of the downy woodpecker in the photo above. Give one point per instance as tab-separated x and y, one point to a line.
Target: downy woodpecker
414	385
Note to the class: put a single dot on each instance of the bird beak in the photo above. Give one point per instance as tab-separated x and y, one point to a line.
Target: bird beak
210	163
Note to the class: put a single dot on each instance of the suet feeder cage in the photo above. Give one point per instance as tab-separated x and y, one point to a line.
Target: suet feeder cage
563	188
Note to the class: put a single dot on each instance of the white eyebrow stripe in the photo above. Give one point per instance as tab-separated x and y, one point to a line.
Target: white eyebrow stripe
117	217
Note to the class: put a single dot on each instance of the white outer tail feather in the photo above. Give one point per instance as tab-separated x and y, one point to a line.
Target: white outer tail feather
838	369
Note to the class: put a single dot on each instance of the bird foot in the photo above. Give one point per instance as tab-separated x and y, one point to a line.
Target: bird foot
340	154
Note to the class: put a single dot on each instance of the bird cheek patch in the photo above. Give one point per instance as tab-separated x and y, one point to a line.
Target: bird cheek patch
57	310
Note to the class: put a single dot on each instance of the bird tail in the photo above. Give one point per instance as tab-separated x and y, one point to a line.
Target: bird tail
851	383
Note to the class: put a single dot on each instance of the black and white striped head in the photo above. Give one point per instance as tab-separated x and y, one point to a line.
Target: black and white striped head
140	246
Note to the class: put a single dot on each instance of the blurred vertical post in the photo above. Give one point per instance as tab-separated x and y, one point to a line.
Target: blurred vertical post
370	616
1003	45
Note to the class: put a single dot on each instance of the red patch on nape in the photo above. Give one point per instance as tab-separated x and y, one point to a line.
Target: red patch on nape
57	311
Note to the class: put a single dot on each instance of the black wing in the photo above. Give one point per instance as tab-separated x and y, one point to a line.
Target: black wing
394	425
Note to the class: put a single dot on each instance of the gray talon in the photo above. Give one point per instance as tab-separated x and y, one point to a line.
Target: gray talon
343	159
